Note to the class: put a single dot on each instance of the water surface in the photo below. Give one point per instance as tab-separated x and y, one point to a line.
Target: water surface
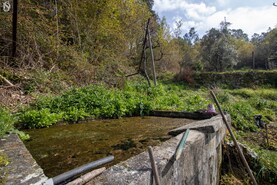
61	148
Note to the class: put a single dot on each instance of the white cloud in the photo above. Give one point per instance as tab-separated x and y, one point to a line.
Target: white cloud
223	2
204	17
250	20
172	5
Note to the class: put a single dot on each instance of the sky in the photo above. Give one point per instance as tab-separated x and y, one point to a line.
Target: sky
252	16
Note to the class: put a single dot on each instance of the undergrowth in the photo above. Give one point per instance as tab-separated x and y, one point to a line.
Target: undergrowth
265	167
6	122
244	104
137	98
99	101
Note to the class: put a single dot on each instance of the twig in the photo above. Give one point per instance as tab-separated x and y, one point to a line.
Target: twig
266	132
7	81
235	141
132	74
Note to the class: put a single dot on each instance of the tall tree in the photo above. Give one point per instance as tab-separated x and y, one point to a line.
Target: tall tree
239	34
218	52
191	37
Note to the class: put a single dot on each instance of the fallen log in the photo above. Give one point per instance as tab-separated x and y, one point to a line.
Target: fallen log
87	177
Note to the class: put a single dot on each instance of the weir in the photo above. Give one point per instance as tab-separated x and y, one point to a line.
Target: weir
199	163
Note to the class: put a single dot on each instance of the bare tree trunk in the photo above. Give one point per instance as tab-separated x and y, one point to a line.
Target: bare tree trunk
253	60
77	26
152	57
57	27
14	27
144	69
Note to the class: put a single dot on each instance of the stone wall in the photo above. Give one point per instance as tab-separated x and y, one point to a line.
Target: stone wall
21	169
237	79
199	163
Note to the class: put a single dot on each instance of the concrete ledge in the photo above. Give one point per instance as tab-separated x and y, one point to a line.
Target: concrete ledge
22	168
199	163
206	126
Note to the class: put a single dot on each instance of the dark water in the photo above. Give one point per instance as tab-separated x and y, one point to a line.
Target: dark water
61	148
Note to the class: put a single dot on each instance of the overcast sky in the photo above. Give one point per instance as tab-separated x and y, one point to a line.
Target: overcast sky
252	16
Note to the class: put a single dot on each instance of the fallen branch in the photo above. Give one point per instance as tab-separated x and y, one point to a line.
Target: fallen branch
87	177
7	81
242	157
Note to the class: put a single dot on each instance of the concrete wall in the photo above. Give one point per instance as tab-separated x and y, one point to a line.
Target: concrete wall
22	169
198	164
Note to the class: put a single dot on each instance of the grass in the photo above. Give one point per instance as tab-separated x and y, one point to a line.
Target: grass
243	104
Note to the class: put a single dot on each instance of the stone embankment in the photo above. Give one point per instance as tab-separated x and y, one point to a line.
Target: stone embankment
199	163
21	168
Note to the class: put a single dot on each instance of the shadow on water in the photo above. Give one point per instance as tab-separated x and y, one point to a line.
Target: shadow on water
61	148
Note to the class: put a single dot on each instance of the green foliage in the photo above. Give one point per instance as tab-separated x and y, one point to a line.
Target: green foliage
6	122
218	53
98	101
22	135
242	115
137	98
74	114
38	119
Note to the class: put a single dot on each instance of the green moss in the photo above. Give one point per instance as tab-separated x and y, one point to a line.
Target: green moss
3	160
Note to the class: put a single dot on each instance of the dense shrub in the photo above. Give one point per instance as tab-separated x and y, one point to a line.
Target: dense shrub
98	101
77	104
38	119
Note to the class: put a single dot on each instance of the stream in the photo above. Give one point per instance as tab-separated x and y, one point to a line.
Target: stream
63	147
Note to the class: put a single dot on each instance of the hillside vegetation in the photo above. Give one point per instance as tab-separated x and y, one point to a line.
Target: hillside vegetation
74	43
